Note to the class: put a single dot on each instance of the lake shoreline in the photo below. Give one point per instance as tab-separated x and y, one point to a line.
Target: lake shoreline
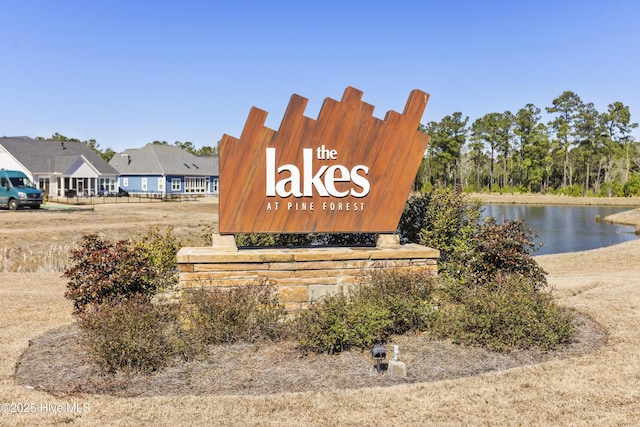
630	217
550	199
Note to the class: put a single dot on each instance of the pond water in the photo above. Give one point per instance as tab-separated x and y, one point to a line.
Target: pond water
566	228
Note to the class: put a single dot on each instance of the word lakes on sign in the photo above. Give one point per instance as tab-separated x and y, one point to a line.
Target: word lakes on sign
347	171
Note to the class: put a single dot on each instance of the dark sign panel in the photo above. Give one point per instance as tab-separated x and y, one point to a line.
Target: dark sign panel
347	171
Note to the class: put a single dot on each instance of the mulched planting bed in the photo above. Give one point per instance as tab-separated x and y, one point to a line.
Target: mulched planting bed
56	363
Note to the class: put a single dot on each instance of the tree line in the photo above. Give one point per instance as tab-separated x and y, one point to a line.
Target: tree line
580	151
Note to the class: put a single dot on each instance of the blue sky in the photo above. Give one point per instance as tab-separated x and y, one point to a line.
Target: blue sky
126	73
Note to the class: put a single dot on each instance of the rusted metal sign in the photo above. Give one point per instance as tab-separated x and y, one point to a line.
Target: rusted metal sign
347	171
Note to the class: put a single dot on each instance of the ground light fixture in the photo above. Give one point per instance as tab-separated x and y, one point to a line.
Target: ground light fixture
379	353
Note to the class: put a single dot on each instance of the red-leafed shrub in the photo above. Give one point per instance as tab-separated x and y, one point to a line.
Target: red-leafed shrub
103	271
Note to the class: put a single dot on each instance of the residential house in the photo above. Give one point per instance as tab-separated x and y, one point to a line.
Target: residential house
58	168
160	169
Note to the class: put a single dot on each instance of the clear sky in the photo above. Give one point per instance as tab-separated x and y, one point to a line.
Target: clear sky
126	73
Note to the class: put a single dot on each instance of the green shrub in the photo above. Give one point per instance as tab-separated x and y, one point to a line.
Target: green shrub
507	189
247	313
346	239
386	303
104	271
266	239
406	295
133	334
338	322
611	189
450	221
444	219
342	239
426	187
159	251
490	288
631	188
575	190
509	313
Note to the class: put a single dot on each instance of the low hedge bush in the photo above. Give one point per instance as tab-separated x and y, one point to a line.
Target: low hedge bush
103	271
386	303
248	313
133	334
338	323
508	313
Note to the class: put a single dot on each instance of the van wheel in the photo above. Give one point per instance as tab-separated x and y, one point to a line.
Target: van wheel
13	204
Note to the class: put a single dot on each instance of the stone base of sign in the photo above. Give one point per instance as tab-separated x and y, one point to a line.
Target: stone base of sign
301	274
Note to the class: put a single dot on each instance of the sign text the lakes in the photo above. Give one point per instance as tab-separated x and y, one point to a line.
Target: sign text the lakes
346	172
323	180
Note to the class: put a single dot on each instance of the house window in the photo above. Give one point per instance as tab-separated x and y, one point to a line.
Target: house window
195	184
106	186
144	184
125	182
161	184
175	184
44	185
215	185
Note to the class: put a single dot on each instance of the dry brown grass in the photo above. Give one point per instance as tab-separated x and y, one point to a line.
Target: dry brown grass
597	388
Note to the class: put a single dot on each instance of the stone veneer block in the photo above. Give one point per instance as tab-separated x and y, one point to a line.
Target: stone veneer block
294	294
316	292
386	241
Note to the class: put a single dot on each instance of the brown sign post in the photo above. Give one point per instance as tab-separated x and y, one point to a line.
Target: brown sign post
347	171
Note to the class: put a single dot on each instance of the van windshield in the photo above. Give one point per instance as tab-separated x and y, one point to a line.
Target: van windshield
21	182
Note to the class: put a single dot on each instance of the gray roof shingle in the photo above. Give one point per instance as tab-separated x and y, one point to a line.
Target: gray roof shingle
49	157
161	159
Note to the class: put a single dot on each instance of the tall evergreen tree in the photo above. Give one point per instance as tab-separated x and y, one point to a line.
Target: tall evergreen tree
589	137
488	129
533	147
618	126
567	106
447	139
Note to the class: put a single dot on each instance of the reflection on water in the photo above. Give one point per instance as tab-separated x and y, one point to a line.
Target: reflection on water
566	228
